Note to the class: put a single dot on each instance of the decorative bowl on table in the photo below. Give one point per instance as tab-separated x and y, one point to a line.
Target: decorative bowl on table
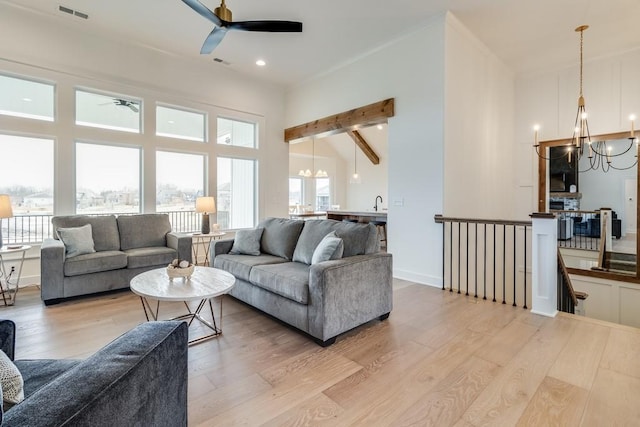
180	268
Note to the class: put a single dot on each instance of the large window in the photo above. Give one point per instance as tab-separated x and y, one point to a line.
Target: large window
295	192
236	133
107	179
179	180
26	174
236	202
108	111
179	123
323	194
26	98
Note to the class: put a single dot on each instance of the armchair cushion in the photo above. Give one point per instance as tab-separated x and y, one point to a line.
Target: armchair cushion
77	240
37	373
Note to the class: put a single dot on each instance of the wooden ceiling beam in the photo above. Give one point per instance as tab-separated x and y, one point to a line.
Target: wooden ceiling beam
364	146
368	115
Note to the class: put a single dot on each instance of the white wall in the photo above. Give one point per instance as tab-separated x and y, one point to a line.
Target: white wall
411	71
479	175
59	50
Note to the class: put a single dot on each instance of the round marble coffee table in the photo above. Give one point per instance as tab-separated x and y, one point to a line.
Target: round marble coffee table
205	283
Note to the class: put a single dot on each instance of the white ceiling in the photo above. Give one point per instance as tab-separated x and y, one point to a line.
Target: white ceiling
526	35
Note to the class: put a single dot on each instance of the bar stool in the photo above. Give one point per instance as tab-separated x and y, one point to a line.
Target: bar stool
381	226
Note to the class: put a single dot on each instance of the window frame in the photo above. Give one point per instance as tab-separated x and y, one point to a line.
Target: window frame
205	124
112	95
31	79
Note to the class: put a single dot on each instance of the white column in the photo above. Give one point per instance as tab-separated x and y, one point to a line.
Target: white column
544	264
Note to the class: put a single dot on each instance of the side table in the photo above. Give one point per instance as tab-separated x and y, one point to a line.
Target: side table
204	240
9	282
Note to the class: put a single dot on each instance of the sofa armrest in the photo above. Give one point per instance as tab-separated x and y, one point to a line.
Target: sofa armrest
348	292
138	379
219	247
8	337
52	257
181	243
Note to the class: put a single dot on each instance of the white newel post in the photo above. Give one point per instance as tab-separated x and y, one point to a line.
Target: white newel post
605	218
544	264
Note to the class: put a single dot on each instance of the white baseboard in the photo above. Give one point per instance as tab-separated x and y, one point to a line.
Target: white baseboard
422	279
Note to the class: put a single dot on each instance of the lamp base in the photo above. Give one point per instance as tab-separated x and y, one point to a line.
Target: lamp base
205	229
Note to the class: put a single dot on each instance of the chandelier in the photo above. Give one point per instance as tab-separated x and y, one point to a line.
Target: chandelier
308	174
600	154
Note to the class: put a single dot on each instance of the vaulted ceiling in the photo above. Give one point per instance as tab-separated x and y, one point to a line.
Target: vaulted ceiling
526	35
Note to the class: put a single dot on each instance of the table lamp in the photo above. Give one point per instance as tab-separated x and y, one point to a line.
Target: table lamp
5	211
205	205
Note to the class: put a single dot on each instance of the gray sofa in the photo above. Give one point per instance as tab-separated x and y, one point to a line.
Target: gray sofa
139	379
124	247
324	299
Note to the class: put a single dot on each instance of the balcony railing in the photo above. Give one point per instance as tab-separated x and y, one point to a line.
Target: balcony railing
37	227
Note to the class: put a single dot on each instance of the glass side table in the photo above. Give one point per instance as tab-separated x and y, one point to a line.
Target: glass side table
203	241
9	275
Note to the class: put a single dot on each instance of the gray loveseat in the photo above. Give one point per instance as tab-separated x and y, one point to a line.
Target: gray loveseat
139	379
324	299
124	247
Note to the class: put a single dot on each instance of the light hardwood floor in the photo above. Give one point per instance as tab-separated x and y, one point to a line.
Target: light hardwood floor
440	359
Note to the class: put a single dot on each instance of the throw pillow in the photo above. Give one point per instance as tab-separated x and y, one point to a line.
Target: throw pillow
77	240
330	247
10	380
247	242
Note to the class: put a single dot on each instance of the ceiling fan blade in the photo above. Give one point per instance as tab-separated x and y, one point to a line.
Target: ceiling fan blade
213	40
203	11
269	26
134	108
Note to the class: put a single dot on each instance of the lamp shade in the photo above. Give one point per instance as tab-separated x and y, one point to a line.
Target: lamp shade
5	206
205	205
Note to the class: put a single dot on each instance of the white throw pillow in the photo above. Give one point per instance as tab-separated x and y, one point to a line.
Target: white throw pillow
247	242
330	247
10	380
77	240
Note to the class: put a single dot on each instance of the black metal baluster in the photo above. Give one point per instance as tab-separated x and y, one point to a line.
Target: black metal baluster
514	266
459	286
525	267
504	262
444	226
467	259
475	270
450	257
494	262
485	261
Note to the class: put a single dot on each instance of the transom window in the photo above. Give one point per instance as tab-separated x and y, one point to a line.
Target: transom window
180	123
104	111
26	98
236	201
236	133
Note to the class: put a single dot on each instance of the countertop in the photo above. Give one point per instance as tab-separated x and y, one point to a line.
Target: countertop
358	213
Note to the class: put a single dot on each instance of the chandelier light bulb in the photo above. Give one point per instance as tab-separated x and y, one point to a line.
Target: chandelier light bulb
584	116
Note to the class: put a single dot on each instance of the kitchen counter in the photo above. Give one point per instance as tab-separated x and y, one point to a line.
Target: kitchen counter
361	216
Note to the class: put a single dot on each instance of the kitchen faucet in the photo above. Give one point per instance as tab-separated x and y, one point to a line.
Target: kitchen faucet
375	207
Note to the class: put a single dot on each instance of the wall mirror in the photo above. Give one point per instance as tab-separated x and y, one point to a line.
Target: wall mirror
576	189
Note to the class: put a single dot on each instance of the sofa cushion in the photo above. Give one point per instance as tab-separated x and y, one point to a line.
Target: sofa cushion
95	262
143	231
358	238
290	280
77	240
280	236
240	265
104	229
37	373
330	247
247	242
147	257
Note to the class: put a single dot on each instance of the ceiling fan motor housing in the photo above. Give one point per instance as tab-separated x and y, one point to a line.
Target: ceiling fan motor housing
223	13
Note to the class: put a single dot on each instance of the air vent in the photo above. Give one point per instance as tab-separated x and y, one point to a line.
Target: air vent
70	11
221	61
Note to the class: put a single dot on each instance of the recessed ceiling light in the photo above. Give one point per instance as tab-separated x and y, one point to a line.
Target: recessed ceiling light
27	99
171	122
260	63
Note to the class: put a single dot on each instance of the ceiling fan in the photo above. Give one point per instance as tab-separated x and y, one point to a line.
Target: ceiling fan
221	18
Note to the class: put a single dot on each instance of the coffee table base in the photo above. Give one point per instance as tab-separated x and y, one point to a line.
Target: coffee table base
189	317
